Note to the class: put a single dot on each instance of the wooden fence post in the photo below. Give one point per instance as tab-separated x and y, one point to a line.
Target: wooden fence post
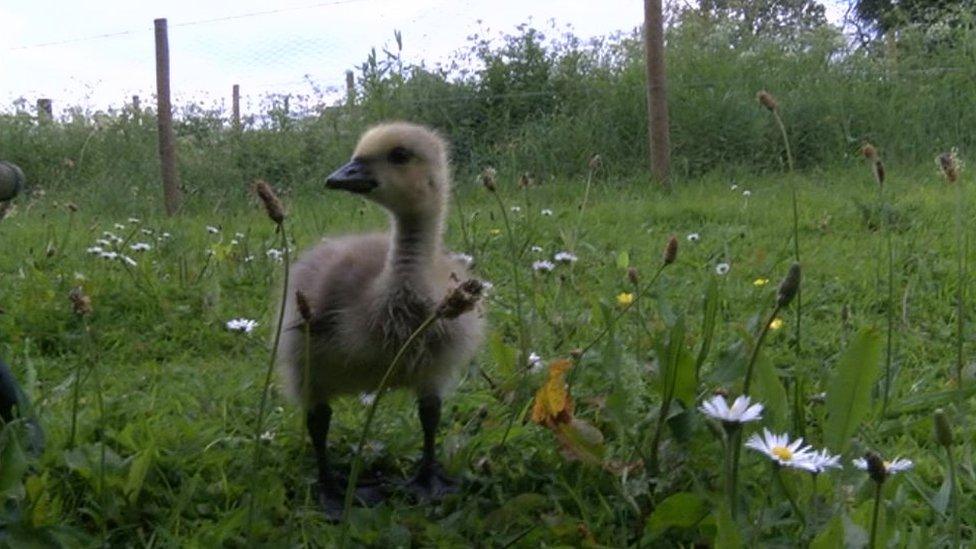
657	97
164	119
45	113
236	98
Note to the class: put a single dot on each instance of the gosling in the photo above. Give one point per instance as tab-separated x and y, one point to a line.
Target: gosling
366	293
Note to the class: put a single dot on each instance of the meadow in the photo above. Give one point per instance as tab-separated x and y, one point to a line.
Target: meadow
163	452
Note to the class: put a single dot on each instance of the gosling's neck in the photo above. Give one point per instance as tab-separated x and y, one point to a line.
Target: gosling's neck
416	243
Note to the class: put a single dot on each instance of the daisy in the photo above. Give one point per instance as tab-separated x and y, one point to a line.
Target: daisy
241	325
129	261
140	247
212	230
734	187
747	193
147	232
742	410
535	362
543	266
108	255
120	226
238	235
897	465
267	436
823	461
274	254
516	209
546	212
722	269
693	237
102	242
95	250
464	259
536	249
565	257
167	235
780	449
134	221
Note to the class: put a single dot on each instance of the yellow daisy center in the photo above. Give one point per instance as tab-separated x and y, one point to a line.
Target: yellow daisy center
782	452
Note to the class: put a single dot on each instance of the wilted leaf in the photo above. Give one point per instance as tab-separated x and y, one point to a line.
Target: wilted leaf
553	405
849	390
581	441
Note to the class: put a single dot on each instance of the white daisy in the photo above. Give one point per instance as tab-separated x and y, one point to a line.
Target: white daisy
212	230
120	226
747	193
102	242
129	261
693	237
95	250
823	460
275	254
108	255
543	266
234	242
565	257
147	232
734	187
779	449
897	465
516	209
268	436
741	411
546	212
241	325
249	259
722	269
536	249
134	221
167	235
238	235
464	259
535	363
140	247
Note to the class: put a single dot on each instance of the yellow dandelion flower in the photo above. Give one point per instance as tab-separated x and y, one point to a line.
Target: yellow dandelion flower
776	324
760	282
625	298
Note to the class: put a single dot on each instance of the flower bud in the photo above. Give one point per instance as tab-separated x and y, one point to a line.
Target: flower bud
270	200
943	432
876	467
671	250
789	286
767	100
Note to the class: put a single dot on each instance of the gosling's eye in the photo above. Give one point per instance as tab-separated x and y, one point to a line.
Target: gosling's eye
399	155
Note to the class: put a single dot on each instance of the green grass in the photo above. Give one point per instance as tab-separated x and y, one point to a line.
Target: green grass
181	392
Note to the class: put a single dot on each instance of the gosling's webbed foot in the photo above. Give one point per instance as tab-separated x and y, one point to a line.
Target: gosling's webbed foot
332	497
431	483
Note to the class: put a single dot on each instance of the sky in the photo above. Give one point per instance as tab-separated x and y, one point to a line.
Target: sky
99	53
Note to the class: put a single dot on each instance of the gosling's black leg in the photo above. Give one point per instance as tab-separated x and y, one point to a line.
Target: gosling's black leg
331	489
317	420
431	482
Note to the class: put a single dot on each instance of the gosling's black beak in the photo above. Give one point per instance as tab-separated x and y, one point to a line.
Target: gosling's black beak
354	177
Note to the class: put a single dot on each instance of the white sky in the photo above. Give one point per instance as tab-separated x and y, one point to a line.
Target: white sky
266	53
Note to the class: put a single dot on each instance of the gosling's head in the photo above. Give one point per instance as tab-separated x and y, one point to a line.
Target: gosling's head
400	166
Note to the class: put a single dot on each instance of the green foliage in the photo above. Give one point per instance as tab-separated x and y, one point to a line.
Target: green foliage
850	387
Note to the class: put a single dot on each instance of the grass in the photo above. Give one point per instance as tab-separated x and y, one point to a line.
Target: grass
181	393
